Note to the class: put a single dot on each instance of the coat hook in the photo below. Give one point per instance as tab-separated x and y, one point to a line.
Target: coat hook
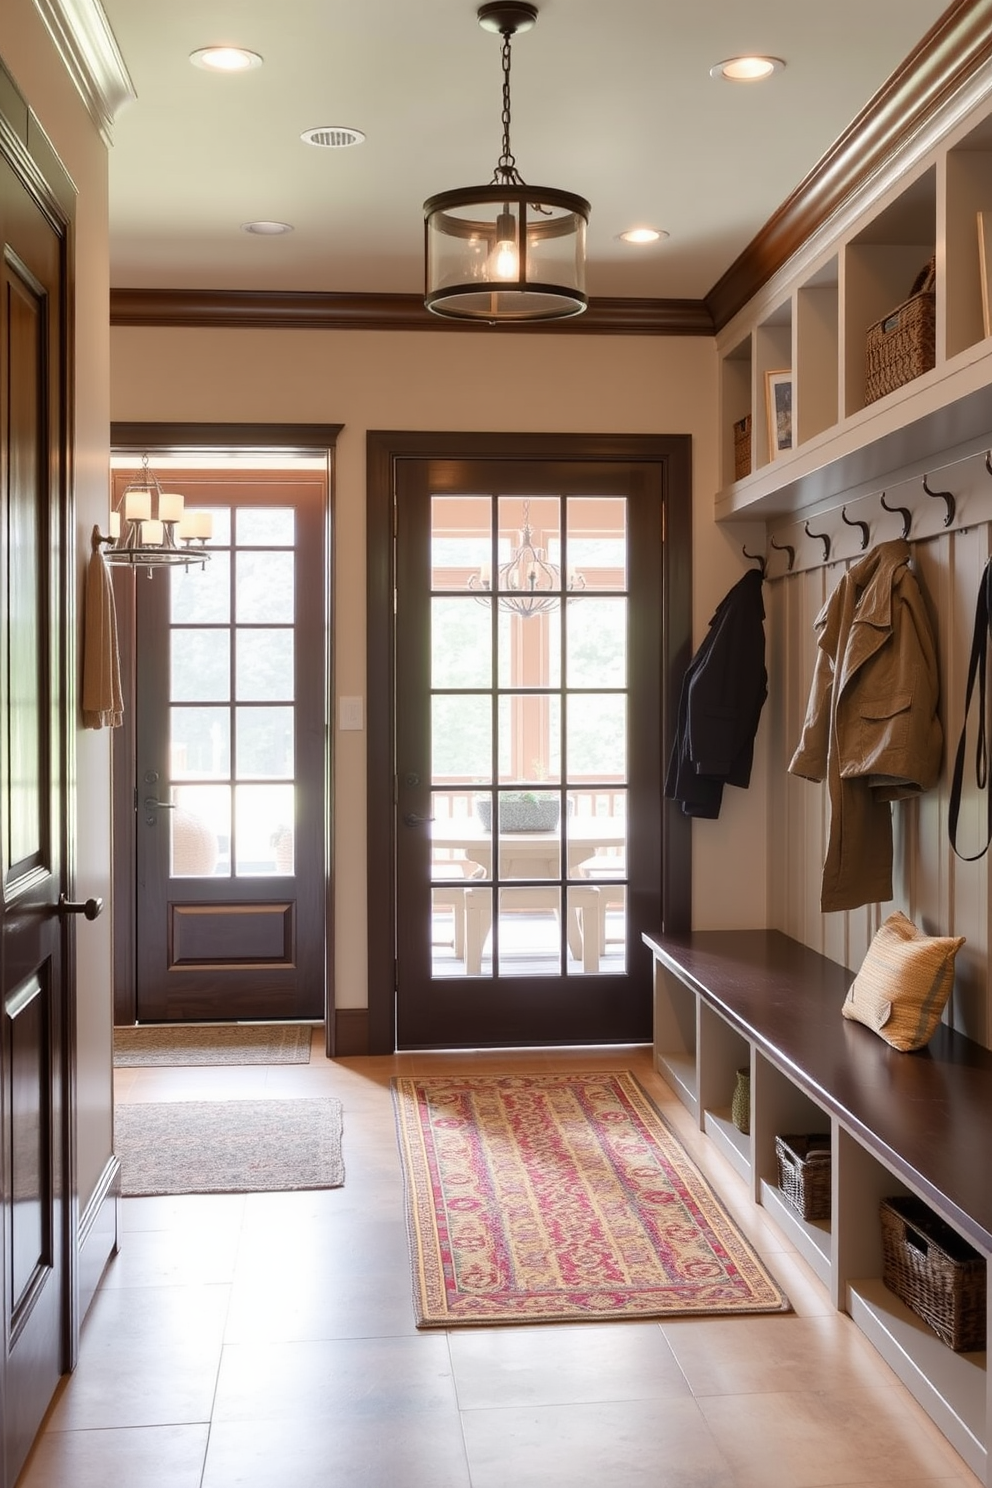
824	538
946	497
853	522
785	548
757	558
904	512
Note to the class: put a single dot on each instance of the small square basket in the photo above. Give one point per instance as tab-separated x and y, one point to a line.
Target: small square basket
804	1173
742	447
902	345
936	1273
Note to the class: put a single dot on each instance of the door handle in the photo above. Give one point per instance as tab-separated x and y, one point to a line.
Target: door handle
413	820
89	908
151	803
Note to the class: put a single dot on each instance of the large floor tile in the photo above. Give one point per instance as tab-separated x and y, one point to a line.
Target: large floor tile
148	1457
371	1379
766	1355
625	1444
563	1365
815	1439
420	1451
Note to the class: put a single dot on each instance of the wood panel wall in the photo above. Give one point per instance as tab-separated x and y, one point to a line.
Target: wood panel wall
941	893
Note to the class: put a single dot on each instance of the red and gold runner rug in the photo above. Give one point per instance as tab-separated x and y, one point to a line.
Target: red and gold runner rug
556	1198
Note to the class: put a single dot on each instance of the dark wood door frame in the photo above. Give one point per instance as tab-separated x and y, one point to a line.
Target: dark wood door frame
385	448
196	439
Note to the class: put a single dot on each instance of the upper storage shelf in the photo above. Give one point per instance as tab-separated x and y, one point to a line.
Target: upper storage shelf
798	424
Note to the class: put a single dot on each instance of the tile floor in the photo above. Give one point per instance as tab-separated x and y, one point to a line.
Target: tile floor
267	1341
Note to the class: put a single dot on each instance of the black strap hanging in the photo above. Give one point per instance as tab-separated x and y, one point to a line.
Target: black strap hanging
976	669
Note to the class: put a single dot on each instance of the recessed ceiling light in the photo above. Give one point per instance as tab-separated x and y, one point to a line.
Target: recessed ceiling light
748	69
332	136
643	235
225	59
267	229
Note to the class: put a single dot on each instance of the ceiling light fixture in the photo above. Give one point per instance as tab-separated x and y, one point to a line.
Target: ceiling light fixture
640	235
148	525
749	69
267	229
225	59
528	583
506	251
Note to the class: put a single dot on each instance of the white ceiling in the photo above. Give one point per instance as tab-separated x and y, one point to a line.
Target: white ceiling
612	100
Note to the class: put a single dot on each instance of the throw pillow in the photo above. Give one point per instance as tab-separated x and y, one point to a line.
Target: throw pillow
904	983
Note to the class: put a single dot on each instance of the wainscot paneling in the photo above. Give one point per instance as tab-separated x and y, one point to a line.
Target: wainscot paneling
938	890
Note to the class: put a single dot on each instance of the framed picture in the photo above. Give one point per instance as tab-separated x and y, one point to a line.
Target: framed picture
985	267
778	403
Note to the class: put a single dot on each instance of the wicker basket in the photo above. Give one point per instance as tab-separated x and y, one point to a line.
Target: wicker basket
742	447
902	345
740	1105
804	1173
935	1272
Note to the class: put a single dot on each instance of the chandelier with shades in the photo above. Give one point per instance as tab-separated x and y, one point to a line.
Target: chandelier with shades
506	251
528	583
151	528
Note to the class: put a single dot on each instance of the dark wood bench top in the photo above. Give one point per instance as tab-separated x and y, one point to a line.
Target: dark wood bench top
928	1115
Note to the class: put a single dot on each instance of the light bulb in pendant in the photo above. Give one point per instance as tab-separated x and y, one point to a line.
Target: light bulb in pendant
505	258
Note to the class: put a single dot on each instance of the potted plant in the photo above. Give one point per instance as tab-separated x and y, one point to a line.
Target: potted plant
521	811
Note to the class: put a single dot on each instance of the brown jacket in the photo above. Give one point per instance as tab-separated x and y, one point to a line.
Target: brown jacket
871	727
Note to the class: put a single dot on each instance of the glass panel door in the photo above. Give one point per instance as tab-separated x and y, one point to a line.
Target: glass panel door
526	746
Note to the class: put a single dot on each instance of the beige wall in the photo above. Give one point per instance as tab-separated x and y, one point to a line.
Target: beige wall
433	380
29	56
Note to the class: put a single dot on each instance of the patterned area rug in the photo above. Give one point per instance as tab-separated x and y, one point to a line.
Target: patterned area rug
553	1198
181	1147
210	1043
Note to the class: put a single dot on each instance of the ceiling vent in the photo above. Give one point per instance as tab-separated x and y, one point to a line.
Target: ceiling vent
332	137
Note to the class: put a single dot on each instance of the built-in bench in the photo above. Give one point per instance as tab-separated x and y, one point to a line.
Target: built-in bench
900	1123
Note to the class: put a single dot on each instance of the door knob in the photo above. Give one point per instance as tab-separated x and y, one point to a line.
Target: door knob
151	803
411	819
89	908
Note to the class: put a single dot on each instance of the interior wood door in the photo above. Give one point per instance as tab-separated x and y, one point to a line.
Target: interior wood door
230	759
34	813
528	739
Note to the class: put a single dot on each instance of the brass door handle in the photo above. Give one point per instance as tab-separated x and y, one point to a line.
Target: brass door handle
88	908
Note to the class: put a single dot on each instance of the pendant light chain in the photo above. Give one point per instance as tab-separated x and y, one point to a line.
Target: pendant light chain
506	172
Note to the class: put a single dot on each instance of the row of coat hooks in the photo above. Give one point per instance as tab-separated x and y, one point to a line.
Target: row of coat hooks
825	538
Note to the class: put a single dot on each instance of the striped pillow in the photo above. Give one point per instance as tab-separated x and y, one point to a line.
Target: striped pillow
904	982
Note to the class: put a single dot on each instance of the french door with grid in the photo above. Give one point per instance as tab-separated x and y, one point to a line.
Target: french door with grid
528	687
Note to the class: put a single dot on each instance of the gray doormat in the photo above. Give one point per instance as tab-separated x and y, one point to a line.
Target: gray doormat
213	1043
259	1146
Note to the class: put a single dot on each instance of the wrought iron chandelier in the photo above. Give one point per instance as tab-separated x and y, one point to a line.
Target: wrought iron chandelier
528	583
151	528
506	251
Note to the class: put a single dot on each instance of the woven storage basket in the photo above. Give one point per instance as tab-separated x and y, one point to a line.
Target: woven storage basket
934	1271
804	1173
902	345
740	1106
742	447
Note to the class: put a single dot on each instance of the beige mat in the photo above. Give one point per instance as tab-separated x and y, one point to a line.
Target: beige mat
180	1147
213	1043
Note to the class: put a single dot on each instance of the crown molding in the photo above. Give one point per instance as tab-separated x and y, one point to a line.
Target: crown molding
294	310
944	61
91	57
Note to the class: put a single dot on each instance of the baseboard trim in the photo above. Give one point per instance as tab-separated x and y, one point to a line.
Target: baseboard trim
98	1232
351	1032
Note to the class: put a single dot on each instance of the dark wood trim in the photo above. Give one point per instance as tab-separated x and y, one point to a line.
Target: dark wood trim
351	1033
219	439
947	57
297	310
122	777
177	439
384	449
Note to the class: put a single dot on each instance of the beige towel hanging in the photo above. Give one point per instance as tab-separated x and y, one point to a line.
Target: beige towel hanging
102	701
